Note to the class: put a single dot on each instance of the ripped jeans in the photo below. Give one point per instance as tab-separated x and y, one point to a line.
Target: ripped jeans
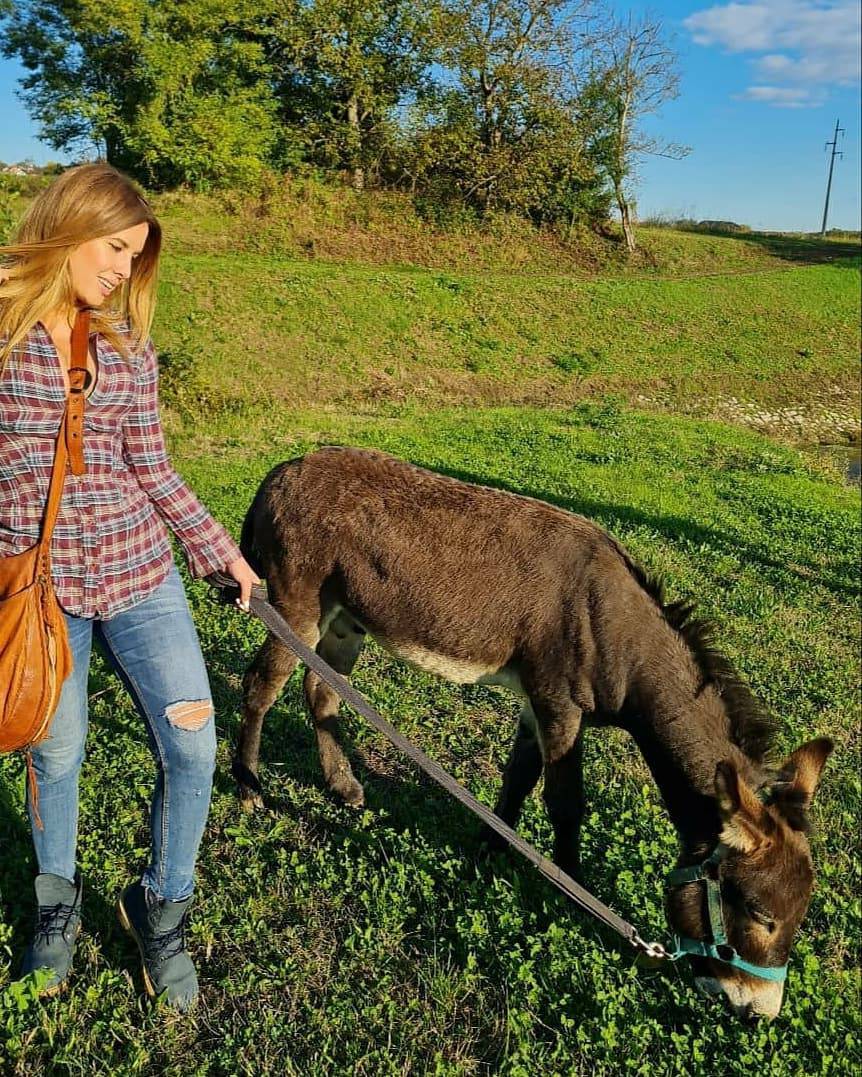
154	649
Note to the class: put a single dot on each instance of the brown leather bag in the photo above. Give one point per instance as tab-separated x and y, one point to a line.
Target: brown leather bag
34	648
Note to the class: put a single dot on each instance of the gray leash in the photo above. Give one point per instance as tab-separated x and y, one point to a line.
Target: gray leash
282	630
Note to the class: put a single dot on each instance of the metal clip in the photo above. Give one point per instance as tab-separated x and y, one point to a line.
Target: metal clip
650	954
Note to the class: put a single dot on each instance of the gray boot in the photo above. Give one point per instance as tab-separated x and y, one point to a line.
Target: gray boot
58	921
158	927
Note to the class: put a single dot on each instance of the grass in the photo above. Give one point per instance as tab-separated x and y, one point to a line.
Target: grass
332	942
741	328
375	943
239	328
747	328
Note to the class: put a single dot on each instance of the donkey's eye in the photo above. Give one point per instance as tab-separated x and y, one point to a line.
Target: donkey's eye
761	916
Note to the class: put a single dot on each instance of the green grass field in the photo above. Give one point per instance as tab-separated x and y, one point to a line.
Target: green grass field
761	329
333	942
396	334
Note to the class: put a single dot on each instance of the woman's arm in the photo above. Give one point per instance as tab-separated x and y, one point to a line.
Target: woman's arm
207	545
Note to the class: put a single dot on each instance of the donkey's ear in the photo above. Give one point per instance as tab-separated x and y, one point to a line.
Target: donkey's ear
742	815
804	768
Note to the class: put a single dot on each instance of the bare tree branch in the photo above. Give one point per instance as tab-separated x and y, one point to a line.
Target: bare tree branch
634	72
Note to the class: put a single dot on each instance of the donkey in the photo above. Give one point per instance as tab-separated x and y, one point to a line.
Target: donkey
483	586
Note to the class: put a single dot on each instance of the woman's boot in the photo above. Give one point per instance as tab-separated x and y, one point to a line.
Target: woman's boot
158	927
58	921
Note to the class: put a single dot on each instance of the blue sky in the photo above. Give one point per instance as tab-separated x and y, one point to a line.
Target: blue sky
762	84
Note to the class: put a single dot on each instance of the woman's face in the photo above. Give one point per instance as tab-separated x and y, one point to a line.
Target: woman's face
101	265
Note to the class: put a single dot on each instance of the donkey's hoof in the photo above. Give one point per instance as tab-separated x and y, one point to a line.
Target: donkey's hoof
250	802
356	797
491	842
349	790
246	779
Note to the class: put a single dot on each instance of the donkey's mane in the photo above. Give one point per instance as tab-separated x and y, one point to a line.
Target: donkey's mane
751	729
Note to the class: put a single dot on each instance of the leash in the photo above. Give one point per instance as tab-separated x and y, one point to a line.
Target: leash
654	952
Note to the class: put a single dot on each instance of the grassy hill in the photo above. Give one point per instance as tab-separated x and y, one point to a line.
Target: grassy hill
318	221
377	943
761	329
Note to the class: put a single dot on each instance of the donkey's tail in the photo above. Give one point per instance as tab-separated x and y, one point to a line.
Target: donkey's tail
258	553
246	537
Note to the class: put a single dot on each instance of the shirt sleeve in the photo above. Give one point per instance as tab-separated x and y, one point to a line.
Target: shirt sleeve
207	545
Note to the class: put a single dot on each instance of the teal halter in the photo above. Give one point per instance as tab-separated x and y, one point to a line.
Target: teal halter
719	949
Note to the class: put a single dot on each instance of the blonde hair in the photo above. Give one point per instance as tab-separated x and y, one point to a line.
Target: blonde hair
86	202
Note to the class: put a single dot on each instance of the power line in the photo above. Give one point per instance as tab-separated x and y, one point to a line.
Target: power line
835	153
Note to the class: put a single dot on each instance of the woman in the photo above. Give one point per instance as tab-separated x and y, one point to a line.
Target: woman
91	241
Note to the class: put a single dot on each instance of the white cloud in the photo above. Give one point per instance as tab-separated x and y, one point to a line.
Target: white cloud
782	96
776	64
805	43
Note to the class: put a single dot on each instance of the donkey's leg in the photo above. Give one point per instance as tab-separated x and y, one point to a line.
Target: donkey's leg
520	775
559	726
340	647
564	798
263	680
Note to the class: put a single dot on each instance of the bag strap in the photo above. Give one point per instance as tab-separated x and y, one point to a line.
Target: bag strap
70	439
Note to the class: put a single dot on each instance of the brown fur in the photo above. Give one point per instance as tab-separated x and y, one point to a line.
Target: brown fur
483	585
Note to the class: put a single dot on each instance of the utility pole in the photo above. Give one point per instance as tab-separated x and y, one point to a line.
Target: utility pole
835	153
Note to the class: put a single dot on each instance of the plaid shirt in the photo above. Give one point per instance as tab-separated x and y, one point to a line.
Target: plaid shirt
110	548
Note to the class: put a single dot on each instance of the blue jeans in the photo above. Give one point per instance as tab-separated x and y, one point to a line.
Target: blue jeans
154	649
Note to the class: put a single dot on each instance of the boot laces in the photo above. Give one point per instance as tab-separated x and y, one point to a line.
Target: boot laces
53	920
168	944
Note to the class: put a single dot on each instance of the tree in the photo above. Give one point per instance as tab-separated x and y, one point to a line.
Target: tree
497	128
343	67
634	73
508	66
171	92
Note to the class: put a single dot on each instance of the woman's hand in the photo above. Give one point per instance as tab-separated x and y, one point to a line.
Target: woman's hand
246	577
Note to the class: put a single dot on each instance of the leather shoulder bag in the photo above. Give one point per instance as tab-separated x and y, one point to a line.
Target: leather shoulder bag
34	648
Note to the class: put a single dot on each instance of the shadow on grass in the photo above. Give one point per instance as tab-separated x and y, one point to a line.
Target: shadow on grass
801	249
404	799
17	866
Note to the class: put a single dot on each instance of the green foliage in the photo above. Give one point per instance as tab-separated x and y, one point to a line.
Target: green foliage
204	140
539	170
350	65
172	93
500	131
573	362
474	107
377	942
8	215
16	192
